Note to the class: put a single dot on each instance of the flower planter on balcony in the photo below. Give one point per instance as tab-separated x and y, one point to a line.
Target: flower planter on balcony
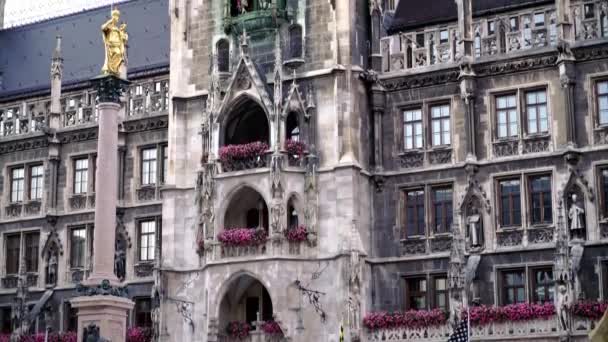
296	150
243	157
237	242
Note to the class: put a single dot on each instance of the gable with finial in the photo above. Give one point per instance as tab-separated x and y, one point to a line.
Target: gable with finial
294	102
575	180
474	191
248	81
53	243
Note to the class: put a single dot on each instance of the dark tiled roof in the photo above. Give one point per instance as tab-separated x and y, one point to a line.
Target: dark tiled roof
411	14
26	51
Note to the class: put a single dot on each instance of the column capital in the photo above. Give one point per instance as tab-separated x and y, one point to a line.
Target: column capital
109	88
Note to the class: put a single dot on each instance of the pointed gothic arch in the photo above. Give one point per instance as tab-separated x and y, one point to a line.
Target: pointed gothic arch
245	207
247	122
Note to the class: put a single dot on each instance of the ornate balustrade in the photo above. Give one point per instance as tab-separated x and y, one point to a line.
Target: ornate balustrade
254	336
215	251
582	326
515	330
145	98
23	118
428	334
511	32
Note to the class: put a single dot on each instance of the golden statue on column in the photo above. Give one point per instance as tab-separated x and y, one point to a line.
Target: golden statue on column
115	41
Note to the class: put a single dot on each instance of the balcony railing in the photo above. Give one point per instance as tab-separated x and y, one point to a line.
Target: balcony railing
507	33
428	334
80	108
218	252
515	330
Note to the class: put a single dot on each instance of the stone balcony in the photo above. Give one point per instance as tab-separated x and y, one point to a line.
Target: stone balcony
509	33
439	333
216	252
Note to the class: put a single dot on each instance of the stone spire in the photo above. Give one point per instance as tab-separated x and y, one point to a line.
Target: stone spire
56	76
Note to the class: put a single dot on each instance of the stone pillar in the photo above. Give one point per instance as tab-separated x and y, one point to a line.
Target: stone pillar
378	103
105	195
467	95
465	27
564	20
567	80
102	303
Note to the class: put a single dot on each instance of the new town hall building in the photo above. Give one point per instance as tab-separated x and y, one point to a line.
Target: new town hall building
386	157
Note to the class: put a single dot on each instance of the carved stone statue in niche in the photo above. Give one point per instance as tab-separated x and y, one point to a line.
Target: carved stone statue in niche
120	259
576	217
52	268
562	306
475	229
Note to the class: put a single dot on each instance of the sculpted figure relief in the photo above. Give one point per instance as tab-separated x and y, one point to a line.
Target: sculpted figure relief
577	218
115	41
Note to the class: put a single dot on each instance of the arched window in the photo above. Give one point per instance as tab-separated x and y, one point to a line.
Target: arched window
292	127
292	215
477	45
247	123
223	55
295	41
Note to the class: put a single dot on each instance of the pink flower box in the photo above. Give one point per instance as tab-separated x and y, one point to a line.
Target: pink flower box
295	148
238	329
482	315
410	319
589	309
296	234
243	237
137	334
271	328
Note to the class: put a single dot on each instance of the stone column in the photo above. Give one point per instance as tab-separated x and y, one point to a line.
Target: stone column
102	303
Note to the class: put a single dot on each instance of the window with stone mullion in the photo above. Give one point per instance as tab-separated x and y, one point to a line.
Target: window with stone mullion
513	287
540	199
507	122
147	240
81	176
604	192
416	293
13	253
36	184
440	125
602	102
543	285
442	209
31	252
510	202
536	111
77	247
412	129
148	166
17	184
414	213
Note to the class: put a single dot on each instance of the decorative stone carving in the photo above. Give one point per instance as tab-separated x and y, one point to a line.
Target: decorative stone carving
509	238
103	289
474	194
148	124
77	276
576	217
600	136
32	208
440	244
421	80
276	187
411	159
506	148
78	202
456	275
205	195
379	182
120	258
144	269
13	210
540	235
536	144
147	193
10	281
52	269
442	156
474	227
413	246
185	309
517	65
312	198
277	213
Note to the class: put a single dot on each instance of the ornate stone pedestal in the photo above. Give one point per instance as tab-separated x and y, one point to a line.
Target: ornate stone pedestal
108	313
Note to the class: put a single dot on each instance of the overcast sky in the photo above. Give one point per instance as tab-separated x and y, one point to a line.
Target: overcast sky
18	12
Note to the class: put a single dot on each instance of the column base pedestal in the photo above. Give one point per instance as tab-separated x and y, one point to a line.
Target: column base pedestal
109	313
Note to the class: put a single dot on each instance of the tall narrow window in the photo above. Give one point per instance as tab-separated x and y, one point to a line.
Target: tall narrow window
510	203
477	44
604	24
295	41
292	127
148	166
165	162
442	209
542	285
414	212
604	192
143	312
78	247
536	111
17	184
81	175
513	287
36	184
31	252
416	293
602	102
506	116
412	129
440	125
223	55
440	292
540	199
147	240
13	252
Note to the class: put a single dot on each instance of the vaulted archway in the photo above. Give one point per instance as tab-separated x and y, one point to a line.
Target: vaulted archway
246	123
245	300
246	209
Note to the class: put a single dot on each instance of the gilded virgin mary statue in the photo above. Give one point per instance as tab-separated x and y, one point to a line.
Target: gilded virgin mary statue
115	41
